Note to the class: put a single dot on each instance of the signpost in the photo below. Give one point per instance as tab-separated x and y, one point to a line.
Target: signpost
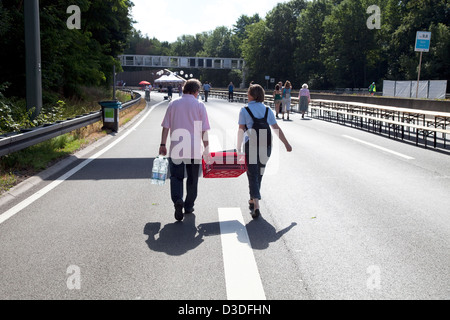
423	41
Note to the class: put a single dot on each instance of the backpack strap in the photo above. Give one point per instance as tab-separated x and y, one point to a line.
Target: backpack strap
250	113
253	117
267	114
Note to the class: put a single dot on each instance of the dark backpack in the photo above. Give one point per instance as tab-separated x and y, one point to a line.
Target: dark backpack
260	130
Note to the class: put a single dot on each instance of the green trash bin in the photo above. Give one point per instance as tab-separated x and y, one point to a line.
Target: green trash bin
110	114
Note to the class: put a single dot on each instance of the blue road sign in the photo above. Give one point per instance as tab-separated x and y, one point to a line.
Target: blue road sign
423	41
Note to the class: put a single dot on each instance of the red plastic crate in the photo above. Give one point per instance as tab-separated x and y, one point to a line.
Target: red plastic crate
227	164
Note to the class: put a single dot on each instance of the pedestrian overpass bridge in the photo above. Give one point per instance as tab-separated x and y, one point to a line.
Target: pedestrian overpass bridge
181	62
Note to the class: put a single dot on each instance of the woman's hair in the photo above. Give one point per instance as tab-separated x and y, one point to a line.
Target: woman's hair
287	84
305	86
277	87
192	86
257	92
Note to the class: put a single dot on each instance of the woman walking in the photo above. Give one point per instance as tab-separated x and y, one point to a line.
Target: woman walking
287	98
257	157
305	99
277	99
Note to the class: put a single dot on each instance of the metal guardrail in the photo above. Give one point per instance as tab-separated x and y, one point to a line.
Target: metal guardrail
15	141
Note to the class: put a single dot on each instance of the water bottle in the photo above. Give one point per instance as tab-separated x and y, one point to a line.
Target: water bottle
155	170
163	169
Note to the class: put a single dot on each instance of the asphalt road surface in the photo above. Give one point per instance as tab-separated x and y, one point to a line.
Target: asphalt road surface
346	215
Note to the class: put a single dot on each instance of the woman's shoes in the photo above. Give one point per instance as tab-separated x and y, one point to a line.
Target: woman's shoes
256	214
251	205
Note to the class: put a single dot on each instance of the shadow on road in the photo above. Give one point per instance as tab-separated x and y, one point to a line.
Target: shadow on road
261	233
180	237
175	239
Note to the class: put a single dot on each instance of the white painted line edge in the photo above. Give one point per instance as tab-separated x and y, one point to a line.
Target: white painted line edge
379	147
25	203
242	278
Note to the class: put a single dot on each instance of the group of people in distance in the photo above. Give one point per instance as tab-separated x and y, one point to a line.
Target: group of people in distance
282	98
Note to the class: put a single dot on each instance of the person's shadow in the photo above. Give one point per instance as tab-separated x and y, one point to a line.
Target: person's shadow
178	238
175	238
261	233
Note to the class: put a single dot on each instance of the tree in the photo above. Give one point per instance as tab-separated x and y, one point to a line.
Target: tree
70	57
421	15
310	35
348	43
240	28
188	45
282	40
253	51
219	43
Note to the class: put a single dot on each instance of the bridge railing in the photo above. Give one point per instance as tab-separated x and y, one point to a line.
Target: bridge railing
391	121
181	62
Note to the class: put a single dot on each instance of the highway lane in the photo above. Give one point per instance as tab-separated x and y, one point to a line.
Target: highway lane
373	223
341	218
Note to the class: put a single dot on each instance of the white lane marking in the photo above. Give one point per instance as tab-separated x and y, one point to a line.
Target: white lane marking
242	278
379	147
25	203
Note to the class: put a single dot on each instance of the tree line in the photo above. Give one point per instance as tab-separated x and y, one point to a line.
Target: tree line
71	58
325	43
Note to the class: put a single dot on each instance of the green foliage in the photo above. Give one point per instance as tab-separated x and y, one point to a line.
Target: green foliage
325	43
15	116
39	156
333	47
71	58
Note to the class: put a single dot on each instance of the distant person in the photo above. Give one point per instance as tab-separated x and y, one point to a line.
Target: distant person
256	162
185	115
304	97
206	88
372	88
147	93
230	92
277	99
287	98
169	91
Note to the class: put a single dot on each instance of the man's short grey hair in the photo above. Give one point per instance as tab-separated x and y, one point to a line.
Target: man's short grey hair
192	86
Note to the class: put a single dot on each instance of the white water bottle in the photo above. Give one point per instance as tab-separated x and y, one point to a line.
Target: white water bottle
155	170
163	169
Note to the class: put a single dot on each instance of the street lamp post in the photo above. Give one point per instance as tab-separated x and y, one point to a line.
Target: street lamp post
33	56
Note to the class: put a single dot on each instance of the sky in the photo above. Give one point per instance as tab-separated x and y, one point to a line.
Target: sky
167	20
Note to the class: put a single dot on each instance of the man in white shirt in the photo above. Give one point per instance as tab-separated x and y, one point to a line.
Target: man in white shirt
187	122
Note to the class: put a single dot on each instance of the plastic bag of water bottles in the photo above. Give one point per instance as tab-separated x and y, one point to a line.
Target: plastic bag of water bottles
159	170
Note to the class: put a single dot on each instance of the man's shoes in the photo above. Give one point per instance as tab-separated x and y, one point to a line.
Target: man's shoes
179	210
189	211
